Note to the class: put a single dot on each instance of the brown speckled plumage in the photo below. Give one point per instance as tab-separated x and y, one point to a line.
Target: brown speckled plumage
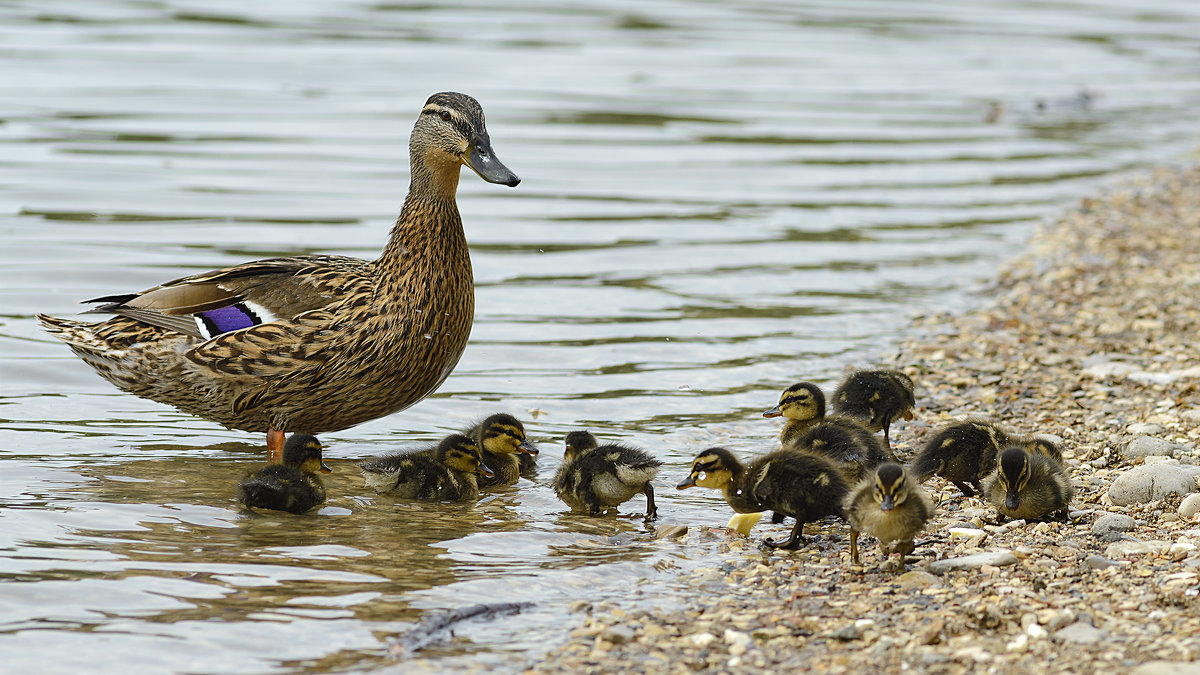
346	340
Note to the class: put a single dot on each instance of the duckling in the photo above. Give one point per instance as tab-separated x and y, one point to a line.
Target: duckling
1029	486
889	506
962	453
595	477
804	486
447	474
851	445
292	486
965	452
500	438
876	398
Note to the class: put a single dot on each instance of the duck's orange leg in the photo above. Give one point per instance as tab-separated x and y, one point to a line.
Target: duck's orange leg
275	439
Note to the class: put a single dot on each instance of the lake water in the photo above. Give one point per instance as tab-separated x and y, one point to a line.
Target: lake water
718	199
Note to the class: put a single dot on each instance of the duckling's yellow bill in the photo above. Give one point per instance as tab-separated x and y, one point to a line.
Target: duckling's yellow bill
743	522
773	412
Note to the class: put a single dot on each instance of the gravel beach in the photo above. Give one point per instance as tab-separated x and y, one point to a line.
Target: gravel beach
1092	336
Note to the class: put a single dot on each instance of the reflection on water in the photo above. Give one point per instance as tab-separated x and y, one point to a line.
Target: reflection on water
718	199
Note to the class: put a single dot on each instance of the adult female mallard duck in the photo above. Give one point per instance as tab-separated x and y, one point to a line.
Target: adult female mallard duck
876	398
312	343
802	485
292	486
847	442
501	440
594	477
448	473
1029	486
889	506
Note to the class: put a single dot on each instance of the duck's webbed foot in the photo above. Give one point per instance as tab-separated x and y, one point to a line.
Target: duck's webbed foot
966	489
792	542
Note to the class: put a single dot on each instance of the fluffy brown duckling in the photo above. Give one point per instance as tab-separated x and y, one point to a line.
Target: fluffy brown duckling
801	485
292	486
1029	486
964	453
889	506
501	438
876	398
596	477
851	445
448	473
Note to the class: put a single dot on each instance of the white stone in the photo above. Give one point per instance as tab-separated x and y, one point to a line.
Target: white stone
703	640
1113	522
1146	446
1124	549
1080	633
970	562
1190	506
1144	429
1151	482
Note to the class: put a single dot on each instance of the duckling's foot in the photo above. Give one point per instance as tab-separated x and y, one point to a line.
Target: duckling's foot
966	489
651	508
790	544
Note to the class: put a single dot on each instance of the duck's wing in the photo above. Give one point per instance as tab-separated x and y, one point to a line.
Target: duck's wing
209	304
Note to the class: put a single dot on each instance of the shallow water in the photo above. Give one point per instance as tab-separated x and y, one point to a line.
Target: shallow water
719	199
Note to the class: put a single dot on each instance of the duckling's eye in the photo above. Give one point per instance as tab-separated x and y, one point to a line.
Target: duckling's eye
445	116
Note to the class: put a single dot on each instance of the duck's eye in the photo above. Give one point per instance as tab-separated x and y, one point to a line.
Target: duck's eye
445	116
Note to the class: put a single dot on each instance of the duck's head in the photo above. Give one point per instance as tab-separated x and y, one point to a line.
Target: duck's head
801	401
450	132
577	442
503	433
460	453
891	486
303	452
713	468
1013	474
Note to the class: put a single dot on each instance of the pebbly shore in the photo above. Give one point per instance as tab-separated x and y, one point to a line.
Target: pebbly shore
1092	336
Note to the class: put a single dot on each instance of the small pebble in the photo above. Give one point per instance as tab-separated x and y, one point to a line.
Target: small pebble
618	634
1113	522
1081	633
1098	562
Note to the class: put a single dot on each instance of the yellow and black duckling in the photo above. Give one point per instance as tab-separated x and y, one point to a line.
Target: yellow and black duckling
964	453
1029	486
851	445
876	398
802	485
312	343
889	506
501	438
447	474
292	486
596	477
